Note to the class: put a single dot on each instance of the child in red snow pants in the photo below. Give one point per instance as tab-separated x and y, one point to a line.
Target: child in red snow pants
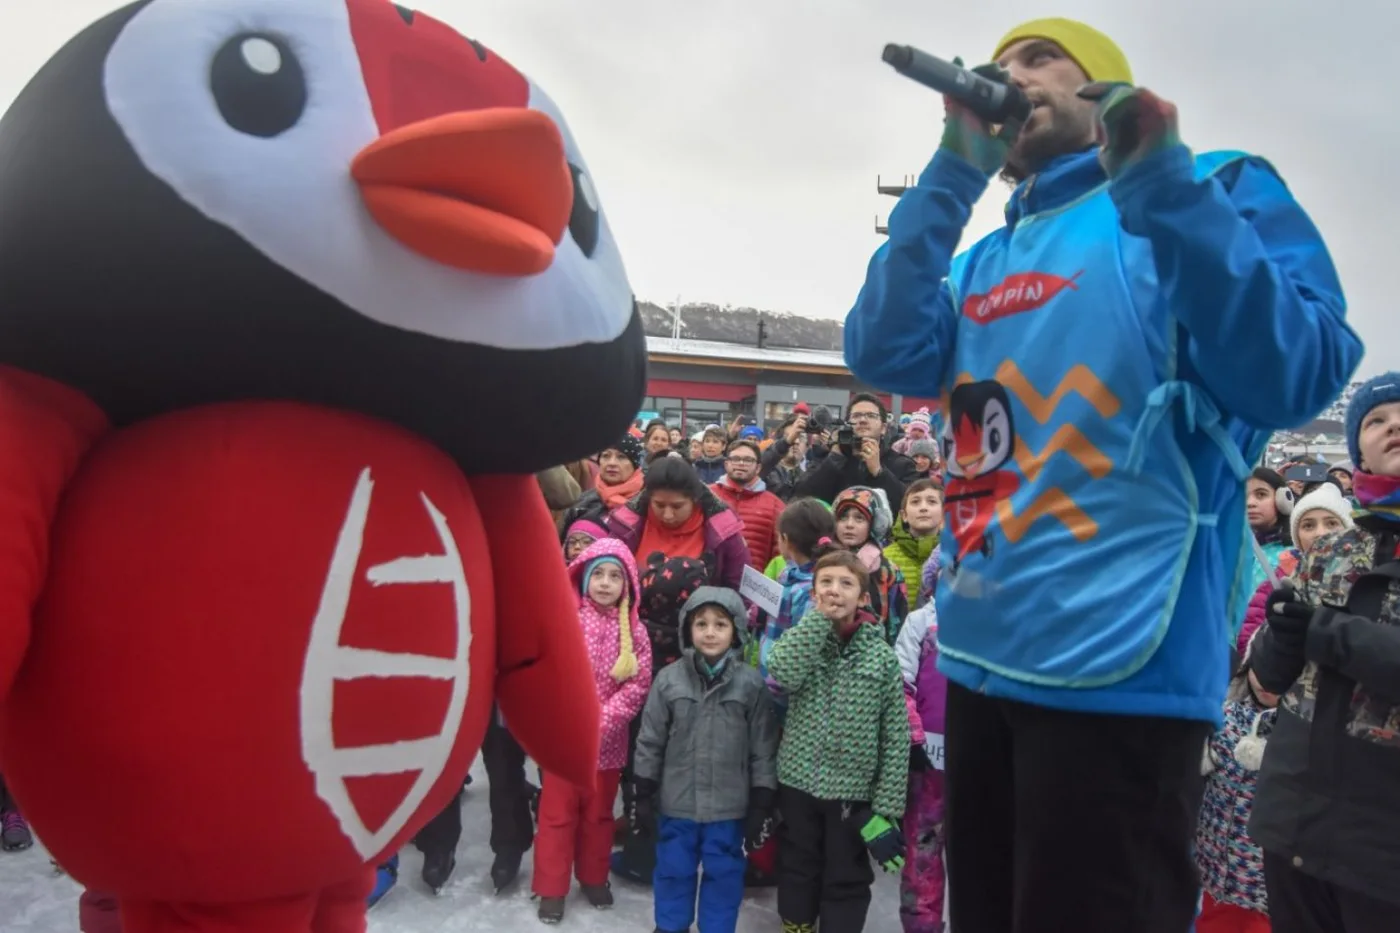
575	832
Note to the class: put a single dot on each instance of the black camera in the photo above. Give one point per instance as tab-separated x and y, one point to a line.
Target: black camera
846	439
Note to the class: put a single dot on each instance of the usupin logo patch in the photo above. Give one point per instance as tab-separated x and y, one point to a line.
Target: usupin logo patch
1016	294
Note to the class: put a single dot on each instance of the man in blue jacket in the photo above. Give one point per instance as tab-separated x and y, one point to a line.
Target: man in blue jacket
1111	362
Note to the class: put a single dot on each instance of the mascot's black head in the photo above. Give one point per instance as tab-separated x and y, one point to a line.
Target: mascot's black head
341	202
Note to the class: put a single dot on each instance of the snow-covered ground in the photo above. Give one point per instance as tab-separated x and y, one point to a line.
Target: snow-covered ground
33	899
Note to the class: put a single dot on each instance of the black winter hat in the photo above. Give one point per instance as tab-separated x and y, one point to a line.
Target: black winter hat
629	447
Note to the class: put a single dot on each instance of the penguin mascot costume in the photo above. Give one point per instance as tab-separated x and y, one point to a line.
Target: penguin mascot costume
274	275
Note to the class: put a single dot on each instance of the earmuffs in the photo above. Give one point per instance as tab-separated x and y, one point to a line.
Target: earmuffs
1284	500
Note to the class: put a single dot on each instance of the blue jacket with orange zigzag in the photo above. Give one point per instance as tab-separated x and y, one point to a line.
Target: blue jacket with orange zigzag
1110	361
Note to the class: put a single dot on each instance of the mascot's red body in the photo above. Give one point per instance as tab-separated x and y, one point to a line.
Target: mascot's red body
270	272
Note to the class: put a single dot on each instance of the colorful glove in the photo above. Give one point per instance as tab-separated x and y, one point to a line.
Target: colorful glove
883	839
761	821
967	135
642	815
1134	124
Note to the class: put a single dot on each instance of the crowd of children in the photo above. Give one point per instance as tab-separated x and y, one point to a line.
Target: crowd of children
821	740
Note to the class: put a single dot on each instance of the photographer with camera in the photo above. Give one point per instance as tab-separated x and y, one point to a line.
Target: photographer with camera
859	456
1114	357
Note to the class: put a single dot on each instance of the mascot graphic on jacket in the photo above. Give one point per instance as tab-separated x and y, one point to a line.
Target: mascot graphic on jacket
270	273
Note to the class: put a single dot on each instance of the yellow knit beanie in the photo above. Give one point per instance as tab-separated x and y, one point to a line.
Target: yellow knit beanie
1096	53
626	666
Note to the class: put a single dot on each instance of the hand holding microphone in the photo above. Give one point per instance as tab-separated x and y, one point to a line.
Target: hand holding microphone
976	101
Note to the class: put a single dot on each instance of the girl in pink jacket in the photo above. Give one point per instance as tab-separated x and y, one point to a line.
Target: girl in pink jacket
576	824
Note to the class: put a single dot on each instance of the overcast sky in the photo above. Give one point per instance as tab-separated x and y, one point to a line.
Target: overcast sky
736	144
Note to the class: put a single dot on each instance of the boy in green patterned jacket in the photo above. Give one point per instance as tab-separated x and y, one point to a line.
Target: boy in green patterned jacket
843	764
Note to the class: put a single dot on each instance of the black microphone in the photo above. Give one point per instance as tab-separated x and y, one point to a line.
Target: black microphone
991	100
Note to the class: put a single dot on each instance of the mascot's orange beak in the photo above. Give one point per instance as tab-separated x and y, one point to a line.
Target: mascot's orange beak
487	191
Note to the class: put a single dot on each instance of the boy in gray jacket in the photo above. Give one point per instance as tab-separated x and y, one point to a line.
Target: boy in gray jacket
706	767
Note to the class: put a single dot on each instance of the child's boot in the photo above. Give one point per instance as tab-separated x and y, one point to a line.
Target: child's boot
14	831
385	877
599	895
437	868
505	868
551	910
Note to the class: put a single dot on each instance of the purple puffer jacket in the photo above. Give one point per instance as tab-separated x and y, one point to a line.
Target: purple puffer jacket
917	650
724	536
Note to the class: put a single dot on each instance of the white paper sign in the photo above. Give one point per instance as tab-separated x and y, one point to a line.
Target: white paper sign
933	746
764	593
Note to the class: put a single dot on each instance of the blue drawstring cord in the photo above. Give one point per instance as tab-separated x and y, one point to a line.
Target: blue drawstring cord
1201	414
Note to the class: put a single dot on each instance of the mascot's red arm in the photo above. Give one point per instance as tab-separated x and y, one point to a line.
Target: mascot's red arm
46	429
544	680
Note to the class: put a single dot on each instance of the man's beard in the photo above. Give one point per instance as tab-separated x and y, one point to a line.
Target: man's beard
1032	153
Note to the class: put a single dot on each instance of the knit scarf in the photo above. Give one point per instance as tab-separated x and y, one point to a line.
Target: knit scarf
1378	495
614	496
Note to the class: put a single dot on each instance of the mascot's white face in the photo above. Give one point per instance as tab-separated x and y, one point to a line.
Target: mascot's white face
338	202
254	112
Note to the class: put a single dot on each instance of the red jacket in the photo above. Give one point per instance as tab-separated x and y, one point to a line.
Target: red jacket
758	509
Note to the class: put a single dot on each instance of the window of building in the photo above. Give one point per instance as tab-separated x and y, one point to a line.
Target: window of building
667	409
700	413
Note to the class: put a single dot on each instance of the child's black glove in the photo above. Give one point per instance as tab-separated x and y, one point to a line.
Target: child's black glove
1288	618
759	826
918	759
642	818
881	837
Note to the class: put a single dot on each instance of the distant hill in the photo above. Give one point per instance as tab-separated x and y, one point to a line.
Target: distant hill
703	321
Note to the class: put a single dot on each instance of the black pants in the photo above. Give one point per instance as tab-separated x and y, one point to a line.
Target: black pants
824	871
1088	819
512	827
1300	903
628	785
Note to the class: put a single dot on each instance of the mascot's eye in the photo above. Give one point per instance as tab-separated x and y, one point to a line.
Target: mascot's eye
994	441
583	222
258	84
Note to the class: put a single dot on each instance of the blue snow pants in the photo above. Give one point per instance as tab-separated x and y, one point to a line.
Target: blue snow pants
683	849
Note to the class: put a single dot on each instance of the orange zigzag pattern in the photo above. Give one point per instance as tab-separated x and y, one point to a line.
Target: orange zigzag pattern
1054	502
1079	379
